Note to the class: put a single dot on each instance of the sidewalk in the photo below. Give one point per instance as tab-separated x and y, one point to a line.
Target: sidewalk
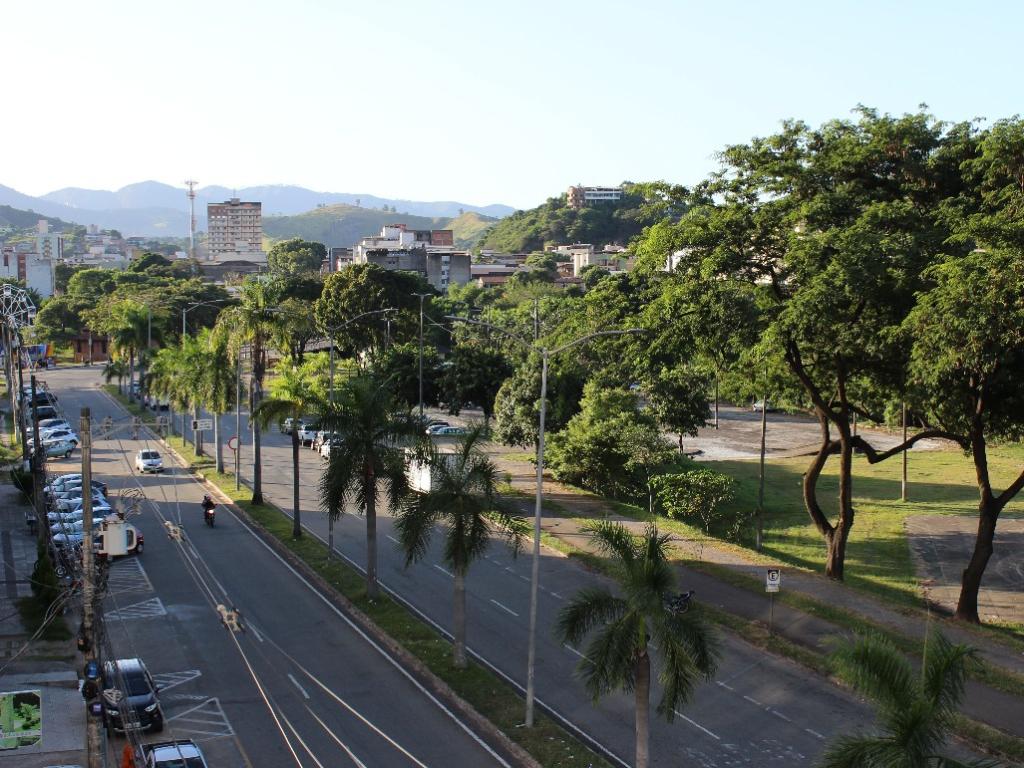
985	704
37	667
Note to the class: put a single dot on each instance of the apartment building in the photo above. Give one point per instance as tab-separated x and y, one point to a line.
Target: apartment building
430	252
580	196
235	231
20	262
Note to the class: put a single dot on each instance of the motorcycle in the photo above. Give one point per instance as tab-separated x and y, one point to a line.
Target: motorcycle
208	515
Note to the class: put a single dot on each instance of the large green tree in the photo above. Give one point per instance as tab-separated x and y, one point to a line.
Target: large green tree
624	628
833	227
296	256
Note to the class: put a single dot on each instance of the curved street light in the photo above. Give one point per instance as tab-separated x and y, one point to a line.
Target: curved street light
189	307
545	353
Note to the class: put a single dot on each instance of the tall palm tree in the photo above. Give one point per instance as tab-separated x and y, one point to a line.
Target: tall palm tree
915	710
115	369
297	391
463	496
618	656
217	384
252	322
125	323
168	379
370	429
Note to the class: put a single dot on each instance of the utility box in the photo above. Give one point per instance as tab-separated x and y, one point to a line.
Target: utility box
422	475
116	537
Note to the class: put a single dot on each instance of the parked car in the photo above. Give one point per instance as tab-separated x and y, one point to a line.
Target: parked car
148	460
45	424
53	436
70	483
130	696
55	450
287	425
68	500
759	405
322	436
307	431
63	517
437	423
447	431
173	754
328	446
73	528
46	412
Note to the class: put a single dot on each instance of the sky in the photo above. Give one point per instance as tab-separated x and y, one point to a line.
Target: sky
471	100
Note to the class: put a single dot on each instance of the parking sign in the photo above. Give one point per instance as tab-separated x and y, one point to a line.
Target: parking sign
773	580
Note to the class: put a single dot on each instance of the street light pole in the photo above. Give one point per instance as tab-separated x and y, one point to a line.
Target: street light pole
331	330
422	297
546	355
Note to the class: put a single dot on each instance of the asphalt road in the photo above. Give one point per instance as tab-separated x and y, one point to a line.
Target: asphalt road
760	710
300	686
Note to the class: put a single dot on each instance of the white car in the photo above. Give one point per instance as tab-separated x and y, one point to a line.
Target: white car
47	424
307	431
73	527
149	461
327	446
73	499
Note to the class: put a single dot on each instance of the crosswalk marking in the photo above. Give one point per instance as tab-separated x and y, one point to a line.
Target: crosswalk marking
144	610
168	680
203	720
127	575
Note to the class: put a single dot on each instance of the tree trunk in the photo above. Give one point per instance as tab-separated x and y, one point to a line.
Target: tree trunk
680	442
459	620
296	512
131	375
257	464
970	582
330	536
197	435
643	709
218	448
369	490
836	541
716	401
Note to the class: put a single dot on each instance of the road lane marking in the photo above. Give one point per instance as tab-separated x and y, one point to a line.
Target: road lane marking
573	650
334	736
309	751
392	538
780	715
815	734
697	725
753	701
504	608
296	683
726	686
445	571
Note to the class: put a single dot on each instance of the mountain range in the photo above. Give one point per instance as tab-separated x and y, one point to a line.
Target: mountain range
154	209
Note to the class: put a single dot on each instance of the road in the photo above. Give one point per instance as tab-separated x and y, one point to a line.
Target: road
760	710
300	686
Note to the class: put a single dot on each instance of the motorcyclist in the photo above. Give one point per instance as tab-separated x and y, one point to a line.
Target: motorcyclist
208	504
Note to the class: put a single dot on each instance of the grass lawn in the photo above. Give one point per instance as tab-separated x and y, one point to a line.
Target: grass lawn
878	555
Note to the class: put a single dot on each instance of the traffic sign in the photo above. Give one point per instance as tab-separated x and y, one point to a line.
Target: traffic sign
773	580
233	442
198	425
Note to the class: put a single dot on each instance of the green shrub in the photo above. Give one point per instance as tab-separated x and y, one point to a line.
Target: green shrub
699	497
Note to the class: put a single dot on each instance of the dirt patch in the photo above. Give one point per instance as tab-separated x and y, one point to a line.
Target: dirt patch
942	545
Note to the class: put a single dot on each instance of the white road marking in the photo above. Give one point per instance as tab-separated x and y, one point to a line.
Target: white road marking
697	725
168	680
255	632
815	734
780	715
724	685
445	571
145	610
334	736
392	538
504	608
573	650
296	683
755	702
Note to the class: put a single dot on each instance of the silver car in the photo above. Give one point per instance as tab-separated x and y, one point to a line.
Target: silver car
149	461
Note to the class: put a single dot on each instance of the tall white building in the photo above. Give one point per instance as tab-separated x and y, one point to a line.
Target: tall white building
49	245
235	231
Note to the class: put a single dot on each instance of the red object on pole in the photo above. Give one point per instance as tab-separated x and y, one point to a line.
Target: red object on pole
128	756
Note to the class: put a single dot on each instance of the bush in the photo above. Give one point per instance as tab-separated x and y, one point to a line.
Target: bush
698	497
22	480
46	589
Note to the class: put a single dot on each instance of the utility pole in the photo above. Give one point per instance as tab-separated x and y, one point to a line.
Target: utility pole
38	479
422	297
93	736
16	340
903	481
238	419
760	477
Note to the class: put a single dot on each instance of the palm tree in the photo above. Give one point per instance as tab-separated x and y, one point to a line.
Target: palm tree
297	391
168	380
915	710
251	322
462	496
126	324
370	428
618	655
217	383
115	369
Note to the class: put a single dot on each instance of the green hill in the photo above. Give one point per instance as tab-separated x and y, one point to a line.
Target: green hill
18	219
469	227
555	223
341	225
344	225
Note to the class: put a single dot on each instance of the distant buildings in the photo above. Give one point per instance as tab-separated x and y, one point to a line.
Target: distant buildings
580	196
235	231
614	258
20	262
430	252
